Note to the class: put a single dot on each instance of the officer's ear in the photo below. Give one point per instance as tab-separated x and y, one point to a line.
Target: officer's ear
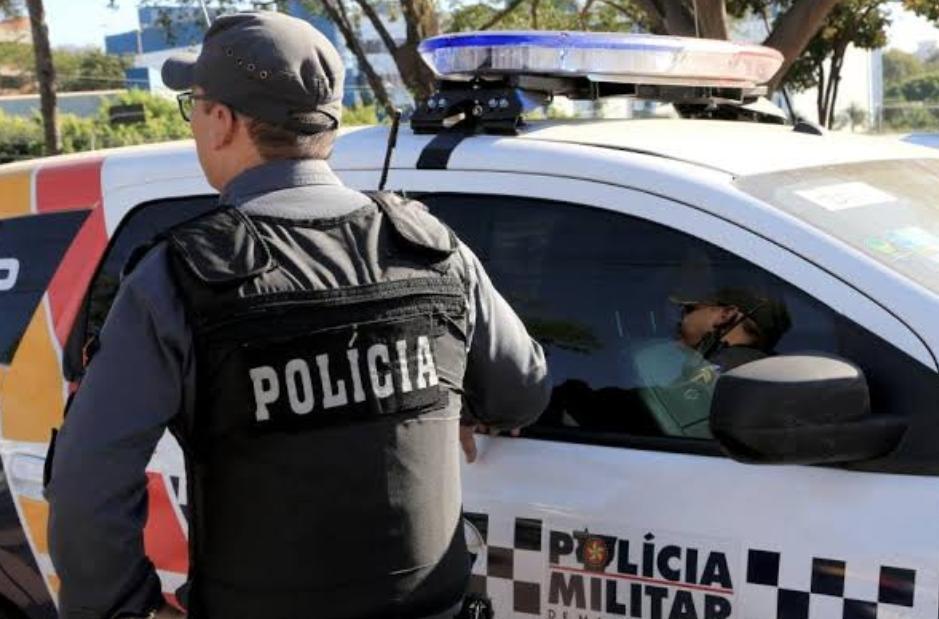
224	123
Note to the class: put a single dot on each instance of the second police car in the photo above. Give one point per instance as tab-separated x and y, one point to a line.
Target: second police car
606	507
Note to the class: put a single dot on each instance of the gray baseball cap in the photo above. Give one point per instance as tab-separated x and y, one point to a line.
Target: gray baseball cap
269	66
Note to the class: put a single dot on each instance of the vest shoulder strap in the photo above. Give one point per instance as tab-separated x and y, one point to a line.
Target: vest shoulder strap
221	247
414	225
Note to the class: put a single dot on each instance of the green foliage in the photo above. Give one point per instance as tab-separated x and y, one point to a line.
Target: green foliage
361	115
921	88
163	122
862	23
549	15
910	118
76	69
900	66
21	138
17	55
89	69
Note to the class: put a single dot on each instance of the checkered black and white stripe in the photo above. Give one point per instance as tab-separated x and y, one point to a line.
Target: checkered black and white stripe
826	597
509	568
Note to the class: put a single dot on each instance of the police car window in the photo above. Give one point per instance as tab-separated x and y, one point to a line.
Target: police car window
610	298
140	226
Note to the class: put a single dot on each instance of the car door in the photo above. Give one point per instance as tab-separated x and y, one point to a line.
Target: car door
72	253
598	511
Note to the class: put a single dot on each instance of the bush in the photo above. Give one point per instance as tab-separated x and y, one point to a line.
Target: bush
22	138
910	119
920	88
359	115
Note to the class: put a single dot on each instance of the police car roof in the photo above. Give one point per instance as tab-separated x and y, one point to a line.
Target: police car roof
739	148
730	148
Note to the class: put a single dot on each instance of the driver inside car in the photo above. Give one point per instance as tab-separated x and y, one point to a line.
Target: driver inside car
716	333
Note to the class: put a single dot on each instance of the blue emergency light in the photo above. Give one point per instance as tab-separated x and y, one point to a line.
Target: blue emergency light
602	57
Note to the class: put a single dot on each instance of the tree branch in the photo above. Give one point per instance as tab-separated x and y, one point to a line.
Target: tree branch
653	13
379	25
337	13
534	14
582	15
794	30
514	4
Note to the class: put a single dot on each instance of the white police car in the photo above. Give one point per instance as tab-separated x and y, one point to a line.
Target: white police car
602	509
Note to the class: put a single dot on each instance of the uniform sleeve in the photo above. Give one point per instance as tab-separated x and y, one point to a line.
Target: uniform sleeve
506	383
97	494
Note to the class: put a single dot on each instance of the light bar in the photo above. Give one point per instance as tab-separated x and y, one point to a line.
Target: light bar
600	56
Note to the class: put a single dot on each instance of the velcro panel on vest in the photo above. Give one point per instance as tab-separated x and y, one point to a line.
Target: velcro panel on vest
417	227
343	375
222	247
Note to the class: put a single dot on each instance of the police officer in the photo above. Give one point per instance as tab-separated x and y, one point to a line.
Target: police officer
310	347
717	332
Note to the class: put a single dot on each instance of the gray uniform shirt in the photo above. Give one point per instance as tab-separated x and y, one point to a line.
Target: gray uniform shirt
144	375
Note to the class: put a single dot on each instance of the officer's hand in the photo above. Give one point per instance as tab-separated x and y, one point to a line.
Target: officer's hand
468	442
468	439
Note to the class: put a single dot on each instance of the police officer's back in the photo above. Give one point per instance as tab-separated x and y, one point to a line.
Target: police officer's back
310	347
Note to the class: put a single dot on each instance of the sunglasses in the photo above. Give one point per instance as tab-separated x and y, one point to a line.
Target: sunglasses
688	308
186	101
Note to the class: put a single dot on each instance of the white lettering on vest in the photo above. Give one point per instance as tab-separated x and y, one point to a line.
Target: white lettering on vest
298	369
358	394
333	395
402	347
382	387
266	390
298	377
426	370
9	273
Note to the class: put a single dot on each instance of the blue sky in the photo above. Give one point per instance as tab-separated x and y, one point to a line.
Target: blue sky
86	22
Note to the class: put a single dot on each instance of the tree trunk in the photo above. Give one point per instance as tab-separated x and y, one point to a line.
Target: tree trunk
712	19
45	72
678	20
794	30
349	35
421	19
834	80
820	94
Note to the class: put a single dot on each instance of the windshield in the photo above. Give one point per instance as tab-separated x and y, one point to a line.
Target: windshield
887	209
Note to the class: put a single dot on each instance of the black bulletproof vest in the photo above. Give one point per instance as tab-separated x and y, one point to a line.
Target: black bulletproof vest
323	455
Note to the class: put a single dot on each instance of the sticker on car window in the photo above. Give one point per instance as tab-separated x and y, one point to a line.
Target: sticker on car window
844	196
907	242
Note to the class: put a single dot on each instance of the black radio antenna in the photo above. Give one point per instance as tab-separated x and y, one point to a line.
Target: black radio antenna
392	142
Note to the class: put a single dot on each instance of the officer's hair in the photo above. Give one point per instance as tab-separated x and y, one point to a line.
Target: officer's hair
273	142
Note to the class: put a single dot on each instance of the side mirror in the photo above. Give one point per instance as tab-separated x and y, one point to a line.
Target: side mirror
799	410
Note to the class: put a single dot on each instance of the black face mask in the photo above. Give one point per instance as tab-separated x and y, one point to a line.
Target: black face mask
713	341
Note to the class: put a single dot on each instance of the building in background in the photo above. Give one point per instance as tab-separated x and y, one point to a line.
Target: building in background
161	28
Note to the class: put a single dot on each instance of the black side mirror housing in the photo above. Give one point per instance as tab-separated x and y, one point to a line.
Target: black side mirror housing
800	409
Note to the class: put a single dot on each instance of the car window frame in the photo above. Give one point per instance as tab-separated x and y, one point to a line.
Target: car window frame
684	218
72	352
